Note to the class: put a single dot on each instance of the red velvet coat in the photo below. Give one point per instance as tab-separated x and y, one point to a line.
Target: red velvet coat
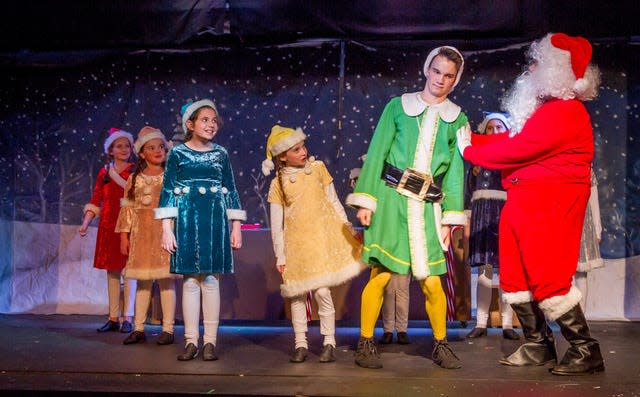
107	197
546	171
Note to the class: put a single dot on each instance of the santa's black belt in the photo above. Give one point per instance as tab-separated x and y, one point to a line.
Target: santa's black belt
412	183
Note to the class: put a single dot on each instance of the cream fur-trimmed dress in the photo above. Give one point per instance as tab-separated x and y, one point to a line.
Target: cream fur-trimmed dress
318	242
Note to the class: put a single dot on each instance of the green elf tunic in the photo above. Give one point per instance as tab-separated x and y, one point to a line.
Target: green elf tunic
405	233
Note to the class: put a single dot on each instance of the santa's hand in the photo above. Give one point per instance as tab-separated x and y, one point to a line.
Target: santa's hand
464	138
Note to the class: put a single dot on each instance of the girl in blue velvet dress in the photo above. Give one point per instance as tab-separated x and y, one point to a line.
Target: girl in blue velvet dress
201	214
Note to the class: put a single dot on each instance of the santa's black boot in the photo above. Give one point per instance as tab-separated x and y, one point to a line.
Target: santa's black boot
583	355
538	348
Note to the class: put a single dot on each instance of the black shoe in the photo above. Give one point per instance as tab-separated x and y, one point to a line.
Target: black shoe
190	352
403	338
165	339
135	337
367	355
444	356
109	326
209	352
477	332
126	327
508	333
299	355
328	354
386	338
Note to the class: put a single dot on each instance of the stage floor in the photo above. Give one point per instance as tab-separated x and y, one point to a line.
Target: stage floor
64	355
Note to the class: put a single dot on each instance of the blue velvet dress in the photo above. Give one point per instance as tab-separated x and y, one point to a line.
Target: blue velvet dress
201	187
485	197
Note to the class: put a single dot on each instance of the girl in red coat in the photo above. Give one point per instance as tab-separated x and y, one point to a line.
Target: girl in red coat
105	203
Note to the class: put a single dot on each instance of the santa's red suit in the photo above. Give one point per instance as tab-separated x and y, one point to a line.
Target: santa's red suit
546	173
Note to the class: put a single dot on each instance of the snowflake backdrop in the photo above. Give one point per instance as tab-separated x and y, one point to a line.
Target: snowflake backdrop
54	116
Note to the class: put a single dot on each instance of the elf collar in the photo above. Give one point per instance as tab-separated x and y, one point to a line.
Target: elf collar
413	105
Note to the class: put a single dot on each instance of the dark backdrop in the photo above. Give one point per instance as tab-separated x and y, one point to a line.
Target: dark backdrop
54	118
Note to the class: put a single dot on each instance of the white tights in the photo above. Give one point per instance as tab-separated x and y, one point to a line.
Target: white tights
484	290
580	281
194	288
326	312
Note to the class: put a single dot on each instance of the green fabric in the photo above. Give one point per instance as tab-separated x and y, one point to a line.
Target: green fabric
386	240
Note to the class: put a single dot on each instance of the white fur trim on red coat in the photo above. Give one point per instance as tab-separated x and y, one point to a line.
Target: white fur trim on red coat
517	297
93	208
556	306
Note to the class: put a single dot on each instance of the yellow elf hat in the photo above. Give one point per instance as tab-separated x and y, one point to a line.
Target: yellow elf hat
279	141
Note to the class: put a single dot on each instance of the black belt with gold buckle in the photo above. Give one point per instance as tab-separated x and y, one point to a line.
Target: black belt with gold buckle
412	183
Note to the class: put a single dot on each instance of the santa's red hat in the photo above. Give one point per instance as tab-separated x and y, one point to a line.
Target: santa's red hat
578	47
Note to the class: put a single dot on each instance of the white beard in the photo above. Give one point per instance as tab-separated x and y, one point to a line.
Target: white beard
521	101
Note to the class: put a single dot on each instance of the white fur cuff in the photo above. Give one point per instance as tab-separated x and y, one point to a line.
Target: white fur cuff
556	306
454	218
517	297
360	200
236	215
93	208
165	212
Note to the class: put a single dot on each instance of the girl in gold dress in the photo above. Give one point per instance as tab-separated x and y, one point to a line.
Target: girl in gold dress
314	243
141	235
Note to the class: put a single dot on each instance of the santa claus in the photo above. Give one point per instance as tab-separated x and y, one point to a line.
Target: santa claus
546	171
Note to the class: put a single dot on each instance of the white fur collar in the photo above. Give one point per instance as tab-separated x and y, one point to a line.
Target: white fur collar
116	177
413	105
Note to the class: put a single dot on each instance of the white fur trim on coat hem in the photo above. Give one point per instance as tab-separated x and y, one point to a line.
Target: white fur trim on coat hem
556	306
517	297
165	212
93	208
236	215
360	200
326	280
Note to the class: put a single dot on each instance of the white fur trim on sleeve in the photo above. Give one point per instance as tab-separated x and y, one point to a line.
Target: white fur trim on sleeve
93	208
236	215
454	218
361	200
165	212
556	306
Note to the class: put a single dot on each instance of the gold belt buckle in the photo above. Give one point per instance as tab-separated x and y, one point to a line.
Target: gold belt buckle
413	175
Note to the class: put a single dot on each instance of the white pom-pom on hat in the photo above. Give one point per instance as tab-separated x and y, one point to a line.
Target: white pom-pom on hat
580	86
267	167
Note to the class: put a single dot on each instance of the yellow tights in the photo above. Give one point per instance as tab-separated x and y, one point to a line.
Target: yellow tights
435	303
373	294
